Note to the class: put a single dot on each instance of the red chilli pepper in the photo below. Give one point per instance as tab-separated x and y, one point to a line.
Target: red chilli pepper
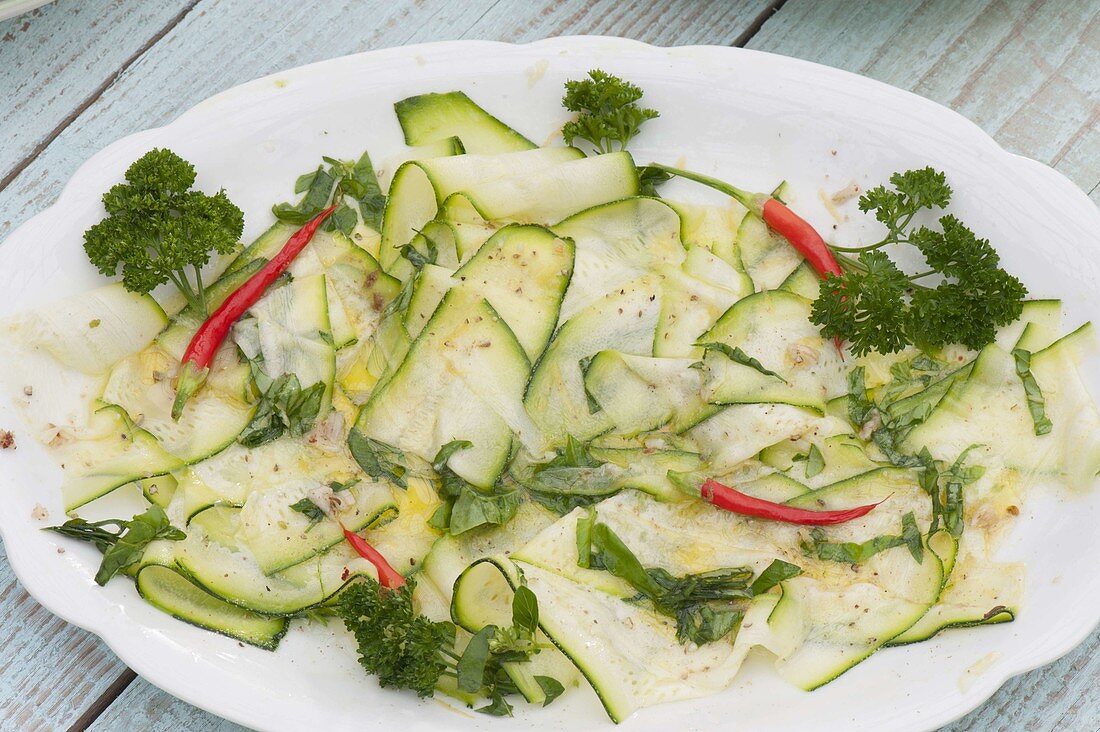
735	501
806	240
780	219
803	237
210	335
388	577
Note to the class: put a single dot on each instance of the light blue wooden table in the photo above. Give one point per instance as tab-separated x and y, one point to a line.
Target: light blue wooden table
78	74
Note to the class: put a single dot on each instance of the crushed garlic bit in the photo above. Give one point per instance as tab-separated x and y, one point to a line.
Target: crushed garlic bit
328	433
827	202
846	194
329	501
801	354
870	426
7	440
536	71
39	512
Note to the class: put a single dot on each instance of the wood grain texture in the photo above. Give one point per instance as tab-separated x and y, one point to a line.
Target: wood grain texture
1026	72
1056	698
50	671
176	73
145	707
54	58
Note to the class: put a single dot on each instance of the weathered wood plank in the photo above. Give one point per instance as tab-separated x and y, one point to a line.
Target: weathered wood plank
1061	696
670	23
143	706
154	91
51	61
1023	70
54	58
49	670
174	74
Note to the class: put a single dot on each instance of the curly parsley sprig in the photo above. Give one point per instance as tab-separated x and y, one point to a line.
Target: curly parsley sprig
874	306
406	650
607	111
158	230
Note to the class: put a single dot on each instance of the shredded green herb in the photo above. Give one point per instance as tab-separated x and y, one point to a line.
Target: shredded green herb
352	185
466	506
284	409
1035	402
707	606
377	459
124	546
849	552
738	356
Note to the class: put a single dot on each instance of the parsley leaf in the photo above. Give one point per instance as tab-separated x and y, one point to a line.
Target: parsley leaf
159	230
406	650
865	306
911	192
608	111
874	306
401	647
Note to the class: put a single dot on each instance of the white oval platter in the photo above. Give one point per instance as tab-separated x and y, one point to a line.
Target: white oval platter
749	117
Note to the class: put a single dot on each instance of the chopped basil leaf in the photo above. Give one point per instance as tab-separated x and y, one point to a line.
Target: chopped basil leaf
471	666
551	687
339	181
284	409
124	546
815	462
377	459
446	451
772	575
1035	402
525	610
310	510
738	356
